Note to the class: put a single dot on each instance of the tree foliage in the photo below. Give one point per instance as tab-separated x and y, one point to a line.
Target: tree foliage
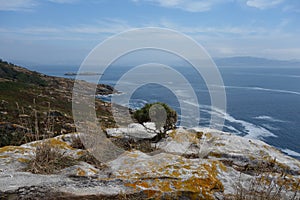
161	114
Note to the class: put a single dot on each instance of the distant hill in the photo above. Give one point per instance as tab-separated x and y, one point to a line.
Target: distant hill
249	61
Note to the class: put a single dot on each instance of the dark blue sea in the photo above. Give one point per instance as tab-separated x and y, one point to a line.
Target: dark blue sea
262	102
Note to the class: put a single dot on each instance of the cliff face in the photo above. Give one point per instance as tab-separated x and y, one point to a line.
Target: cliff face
188	164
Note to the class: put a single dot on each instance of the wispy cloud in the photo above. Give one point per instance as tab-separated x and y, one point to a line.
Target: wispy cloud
26	5
188	5
100	28
263	4
16	5
214	30
63	1
206	5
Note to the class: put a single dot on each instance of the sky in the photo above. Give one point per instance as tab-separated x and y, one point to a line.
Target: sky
63	32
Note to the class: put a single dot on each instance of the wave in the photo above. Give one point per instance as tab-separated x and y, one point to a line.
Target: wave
268	118
264	89
291	152
274	75
252	131
269	127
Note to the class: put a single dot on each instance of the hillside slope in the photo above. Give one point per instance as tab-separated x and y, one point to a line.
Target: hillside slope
34	104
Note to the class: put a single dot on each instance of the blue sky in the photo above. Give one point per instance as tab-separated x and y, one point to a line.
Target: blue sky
62	32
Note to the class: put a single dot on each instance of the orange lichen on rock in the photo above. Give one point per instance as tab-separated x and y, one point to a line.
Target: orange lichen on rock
201	180
80	172
59	144
208	136
23	160
14	149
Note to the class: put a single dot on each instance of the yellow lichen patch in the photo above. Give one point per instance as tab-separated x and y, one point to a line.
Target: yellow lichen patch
181	137
80	153
282	166
268	147
263	154
222	167
219	144
208	135
4	156
23	160
201	181
252	157
59	144
93	170
14	149
80	172
175	173
172	134
164	185
203	186
215	154
152	193
134	155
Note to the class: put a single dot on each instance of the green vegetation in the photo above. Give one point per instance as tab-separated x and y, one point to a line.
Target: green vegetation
32	103
161	114
9	71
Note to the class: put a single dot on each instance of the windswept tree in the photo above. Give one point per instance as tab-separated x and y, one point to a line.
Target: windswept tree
161	114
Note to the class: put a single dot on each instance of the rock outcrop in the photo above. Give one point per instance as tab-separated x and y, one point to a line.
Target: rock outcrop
187	164
134	131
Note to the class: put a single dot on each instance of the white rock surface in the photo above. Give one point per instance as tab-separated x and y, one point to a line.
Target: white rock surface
134	130
199	164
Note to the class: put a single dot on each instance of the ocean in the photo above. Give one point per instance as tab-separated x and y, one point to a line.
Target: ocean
262	102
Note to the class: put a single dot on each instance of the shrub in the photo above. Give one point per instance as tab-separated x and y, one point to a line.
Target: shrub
161	114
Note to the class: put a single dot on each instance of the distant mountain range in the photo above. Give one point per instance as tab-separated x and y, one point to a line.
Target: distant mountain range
236	61
255	62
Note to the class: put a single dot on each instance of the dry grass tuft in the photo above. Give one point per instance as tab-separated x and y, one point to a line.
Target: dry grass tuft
89	158
130	144
76	142
266	185
49	160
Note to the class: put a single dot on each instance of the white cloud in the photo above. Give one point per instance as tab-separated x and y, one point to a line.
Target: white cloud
188	5
25	5
63	1
104	26
206	5
263	4
15	5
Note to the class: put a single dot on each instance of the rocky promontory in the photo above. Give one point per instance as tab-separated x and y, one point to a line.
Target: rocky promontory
42	156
